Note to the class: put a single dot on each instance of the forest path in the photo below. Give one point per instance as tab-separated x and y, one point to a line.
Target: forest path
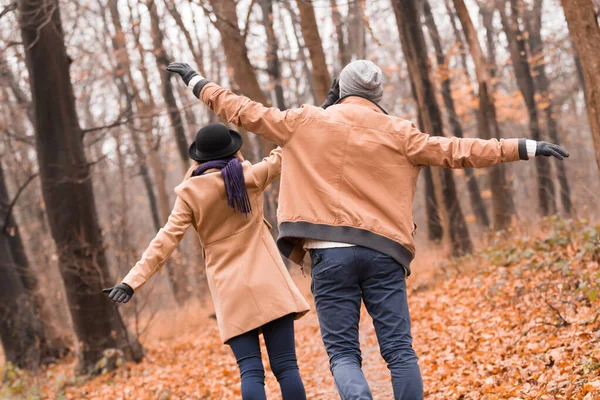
519	320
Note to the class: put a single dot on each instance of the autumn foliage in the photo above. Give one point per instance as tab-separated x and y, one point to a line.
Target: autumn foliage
519	319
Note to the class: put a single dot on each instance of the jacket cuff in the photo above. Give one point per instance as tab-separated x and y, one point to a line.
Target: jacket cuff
197	84
523	149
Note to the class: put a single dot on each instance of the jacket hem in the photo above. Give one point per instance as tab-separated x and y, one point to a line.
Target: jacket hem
290	232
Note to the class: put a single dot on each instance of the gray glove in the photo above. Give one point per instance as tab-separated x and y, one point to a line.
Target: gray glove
121	293
333	95
530	148
548	149
184	70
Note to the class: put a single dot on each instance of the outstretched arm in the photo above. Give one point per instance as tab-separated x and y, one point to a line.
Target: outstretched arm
422	149
157	253
269	169
270	122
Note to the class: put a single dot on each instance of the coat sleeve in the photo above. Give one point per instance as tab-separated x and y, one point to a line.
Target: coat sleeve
422	150
269	169
161	247
269	122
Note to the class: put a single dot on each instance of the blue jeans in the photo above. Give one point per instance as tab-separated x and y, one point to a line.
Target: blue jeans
341	277
279	339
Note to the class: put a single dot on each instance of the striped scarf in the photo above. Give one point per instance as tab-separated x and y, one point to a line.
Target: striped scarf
235	184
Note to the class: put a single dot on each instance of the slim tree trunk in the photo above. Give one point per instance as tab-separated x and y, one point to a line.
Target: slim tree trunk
67	187
273	65
534	24
301	46
312	39
343	53
195	50
585	31
433	204
477	203
415	52
520	60
22	335
162	60
236	54
487	15
159	207
356	28
502	201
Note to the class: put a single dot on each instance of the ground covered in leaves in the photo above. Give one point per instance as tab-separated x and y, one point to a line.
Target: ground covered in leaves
517	320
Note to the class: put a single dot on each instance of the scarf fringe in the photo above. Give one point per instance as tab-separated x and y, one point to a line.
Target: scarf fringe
235	184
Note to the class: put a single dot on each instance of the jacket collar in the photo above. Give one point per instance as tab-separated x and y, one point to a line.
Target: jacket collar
361	101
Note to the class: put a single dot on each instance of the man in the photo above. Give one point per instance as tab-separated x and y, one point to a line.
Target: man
347	186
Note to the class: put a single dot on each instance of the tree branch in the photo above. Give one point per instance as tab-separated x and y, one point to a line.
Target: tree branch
247	24
9	8
14	201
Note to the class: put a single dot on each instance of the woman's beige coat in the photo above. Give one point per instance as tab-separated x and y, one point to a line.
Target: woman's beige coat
248	281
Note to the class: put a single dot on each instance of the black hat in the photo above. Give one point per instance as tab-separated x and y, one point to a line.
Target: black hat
215	141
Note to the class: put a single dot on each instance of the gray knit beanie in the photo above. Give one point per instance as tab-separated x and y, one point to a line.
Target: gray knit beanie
362	78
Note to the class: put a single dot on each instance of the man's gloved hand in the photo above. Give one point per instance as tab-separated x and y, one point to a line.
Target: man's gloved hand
121	293
333	95
549	149
531	148
184	70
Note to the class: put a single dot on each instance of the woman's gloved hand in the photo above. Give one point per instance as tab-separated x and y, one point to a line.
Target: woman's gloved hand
121	293
333	95
184	70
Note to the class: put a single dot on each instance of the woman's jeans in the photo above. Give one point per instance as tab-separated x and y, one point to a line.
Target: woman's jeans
279	339
341	277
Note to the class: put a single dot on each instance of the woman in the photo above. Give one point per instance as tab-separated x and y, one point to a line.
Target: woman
251	288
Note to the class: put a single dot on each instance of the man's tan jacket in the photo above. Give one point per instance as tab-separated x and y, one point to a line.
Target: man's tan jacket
350	171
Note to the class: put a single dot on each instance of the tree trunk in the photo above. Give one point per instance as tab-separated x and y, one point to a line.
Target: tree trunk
273	65
487	15
415	52
159	207
312	39
67	188
585	31
22	335
520	60
301	46
502	201
162	60
534	27
356	28
195	50
236	54
434	209
477	203
343	53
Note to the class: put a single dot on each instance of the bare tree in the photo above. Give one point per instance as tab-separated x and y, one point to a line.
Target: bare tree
162	60
67	188
520	61
477	203
534	28
502	201
273	65
312	39
415	52
356	28
129	91
343	51
583	25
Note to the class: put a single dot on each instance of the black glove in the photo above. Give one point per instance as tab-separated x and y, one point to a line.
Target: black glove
548	149
333	95
121	293
184	70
